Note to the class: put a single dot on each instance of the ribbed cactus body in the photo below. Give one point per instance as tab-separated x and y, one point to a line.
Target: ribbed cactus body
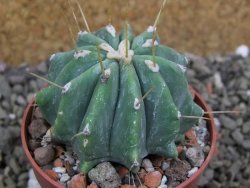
103	116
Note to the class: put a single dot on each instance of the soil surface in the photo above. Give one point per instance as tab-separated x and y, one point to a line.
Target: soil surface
32	30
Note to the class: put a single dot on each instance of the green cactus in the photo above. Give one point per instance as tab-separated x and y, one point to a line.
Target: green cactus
104	114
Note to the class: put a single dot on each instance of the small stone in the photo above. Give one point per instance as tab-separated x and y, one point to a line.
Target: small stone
246	127
165	165
178	170
58	162
92	185
164	180
21	100
228	123
60	170
237	136
105	175
147	165
153	179
246	144
5	87
33	144
3	114
14	166
52	174
37	128
195	155
44	155
242	50
64	178
17	89
192	171
78	181
123	171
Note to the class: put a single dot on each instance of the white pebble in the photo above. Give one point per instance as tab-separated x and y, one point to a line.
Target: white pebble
147	164
59	169
164	180
192	171
64	178
217	81
242	50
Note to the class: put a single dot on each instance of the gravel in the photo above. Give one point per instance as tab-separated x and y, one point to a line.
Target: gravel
223	81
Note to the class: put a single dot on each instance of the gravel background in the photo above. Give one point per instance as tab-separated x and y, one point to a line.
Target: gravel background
222	80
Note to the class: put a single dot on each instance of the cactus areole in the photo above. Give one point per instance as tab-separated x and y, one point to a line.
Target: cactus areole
119	102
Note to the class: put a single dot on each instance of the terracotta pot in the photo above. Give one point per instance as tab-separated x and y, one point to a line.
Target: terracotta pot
47	182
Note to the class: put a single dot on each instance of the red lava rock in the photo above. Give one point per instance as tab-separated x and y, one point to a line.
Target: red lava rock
191	136
78	181
123	171
59	151
53	175
44	155
156	160
153	179
128	186
92	185
37	128
160	170
142	173
58	162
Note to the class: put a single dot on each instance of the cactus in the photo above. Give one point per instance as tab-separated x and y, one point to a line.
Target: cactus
119	102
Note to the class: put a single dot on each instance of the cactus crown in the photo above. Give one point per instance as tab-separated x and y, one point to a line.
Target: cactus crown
119	102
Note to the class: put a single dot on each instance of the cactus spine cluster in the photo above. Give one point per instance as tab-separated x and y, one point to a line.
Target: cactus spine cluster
130	106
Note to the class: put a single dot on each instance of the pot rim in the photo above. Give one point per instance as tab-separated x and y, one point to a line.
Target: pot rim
197	98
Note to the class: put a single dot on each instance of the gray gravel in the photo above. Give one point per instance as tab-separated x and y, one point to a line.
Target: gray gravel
16	89
229	76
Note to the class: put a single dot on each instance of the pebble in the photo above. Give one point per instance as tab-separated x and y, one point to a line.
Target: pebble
192	171
246	127
58	162
14	166
242	50
78	181
147	165
64	178
105	175
37	128
238	136
228	122
153	179
59	170
165	165
44	155
3	113
246	144
92	185
195	155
